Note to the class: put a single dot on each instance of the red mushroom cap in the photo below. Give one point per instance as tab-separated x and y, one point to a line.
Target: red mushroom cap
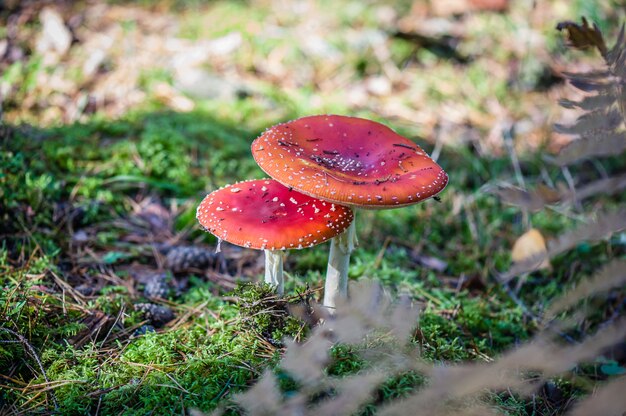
348	160
263	214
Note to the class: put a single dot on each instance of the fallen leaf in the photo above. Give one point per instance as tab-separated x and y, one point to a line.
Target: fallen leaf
529	245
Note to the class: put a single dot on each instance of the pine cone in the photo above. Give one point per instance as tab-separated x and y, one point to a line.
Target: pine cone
158	315
156	288
181	259
143	330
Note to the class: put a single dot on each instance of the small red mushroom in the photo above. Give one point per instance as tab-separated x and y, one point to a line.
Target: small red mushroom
265	215
350	161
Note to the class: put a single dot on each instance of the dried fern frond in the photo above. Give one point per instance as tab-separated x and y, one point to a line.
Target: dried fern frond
611	276
532	200
451	390
584	36
369	310
602	227
608	400
601	130
451	384
354	391
306	361
541	196
263	398
592	144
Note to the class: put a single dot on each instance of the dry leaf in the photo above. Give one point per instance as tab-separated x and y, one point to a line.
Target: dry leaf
529	245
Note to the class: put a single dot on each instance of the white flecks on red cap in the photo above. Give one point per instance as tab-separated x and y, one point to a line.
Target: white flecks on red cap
349	161
255	216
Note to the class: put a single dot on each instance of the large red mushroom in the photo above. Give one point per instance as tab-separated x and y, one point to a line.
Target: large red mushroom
265	215
349	161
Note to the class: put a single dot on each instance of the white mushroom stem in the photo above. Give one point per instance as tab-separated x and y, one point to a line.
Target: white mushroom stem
338	261
274	270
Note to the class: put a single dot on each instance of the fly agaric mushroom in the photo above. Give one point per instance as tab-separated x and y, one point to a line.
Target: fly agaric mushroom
349	161
265	215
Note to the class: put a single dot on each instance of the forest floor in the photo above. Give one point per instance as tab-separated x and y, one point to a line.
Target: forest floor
118	118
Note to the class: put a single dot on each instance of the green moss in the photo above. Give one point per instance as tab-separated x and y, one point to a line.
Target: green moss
344	360
394	388
267	315
199	361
